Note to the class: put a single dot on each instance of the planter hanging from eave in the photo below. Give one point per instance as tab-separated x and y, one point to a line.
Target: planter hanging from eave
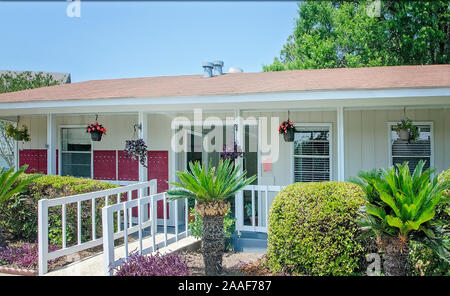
96	136
403	134
289	136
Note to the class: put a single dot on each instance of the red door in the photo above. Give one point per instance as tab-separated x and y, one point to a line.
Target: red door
158	168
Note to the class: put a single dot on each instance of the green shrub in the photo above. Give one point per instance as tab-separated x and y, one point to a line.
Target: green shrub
18	216
423	261
313	229
196	226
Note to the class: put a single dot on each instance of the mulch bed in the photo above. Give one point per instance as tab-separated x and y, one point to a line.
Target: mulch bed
232	262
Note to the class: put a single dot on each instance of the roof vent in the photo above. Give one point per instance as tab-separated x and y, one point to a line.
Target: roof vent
235	70
207	67
217	68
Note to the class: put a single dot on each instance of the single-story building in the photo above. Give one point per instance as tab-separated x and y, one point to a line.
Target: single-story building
344	121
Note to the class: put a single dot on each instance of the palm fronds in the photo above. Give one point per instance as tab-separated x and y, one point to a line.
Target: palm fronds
213	184
400	202
12	183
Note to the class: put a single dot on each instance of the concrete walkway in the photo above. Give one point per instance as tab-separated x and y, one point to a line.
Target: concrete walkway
93	266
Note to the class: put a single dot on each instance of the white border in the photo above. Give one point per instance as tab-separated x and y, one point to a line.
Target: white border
60	127
389	128
322	124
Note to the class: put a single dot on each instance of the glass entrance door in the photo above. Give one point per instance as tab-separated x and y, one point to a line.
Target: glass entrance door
76	152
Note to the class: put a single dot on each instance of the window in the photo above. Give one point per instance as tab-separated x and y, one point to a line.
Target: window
402	150
76	152
312	153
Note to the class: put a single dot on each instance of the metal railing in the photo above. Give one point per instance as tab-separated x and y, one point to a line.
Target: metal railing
106	195
142	222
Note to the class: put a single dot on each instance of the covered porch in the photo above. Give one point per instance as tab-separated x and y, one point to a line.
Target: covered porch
338	133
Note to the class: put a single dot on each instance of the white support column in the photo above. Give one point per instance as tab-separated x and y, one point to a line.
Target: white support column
16	156
51	144
239	198
340	144
143	134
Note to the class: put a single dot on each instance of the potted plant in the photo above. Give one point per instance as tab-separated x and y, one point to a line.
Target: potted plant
406	130
17	133
96	130
137	149
287	129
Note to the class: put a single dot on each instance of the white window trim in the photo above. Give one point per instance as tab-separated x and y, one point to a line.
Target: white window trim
329	125
390	124
60	127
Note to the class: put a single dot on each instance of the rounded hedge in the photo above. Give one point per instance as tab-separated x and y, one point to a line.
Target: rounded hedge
313	229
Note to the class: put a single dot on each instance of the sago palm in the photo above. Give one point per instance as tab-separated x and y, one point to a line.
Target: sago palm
399	206
211	188
12	183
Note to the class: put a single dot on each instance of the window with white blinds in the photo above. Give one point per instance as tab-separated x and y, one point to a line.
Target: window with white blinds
312	154
412	152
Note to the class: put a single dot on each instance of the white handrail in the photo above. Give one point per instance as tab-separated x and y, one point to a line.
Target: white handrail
263	208
141	203
43	209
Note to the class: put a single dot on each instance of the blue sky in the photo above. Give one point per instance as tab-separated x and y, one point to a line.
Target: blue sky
139	39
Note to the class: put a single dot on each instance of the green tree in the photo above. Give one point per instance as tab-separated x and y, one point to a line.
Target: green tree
15	81
338	34
211	188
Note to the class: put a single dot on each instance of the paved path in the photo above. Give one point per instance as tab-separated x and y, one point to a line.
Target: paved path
93	266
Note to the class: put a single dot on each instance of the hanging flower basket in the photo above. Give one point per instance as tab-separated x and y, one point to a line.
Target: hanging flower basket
18	134
287	130
403	134
137	149
406	130
231	152
96	130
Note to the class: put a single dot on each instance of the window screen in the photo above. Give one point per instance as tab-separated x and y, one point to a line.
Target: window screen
312	154
412	152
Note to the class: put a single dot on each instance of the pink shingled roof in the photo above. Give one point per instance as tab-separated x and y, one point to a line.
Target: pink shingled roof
242	83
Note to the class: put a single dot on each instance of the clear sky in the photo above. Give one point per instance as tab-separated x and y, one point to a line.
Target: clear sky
139	39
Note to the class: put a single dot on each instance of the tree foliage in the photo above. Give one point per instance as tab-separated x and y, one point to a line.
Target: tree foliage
339	34
16	81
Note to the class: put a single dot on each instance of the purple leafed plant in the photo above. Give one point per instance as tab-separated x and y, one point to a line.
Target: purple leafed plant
231	152
23	255
156	265
137	149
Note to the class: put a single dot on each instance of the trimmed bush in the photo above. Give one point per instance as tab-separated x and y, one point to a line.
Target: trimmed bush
18	216
156	265
313	229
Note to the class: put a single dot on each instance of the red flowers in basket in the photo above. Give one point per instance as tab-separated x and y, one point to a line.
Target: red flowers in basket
95	127
285	126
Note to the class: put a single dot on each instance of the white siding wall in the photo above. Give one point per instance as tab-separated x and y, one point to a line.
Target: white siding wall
366	136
